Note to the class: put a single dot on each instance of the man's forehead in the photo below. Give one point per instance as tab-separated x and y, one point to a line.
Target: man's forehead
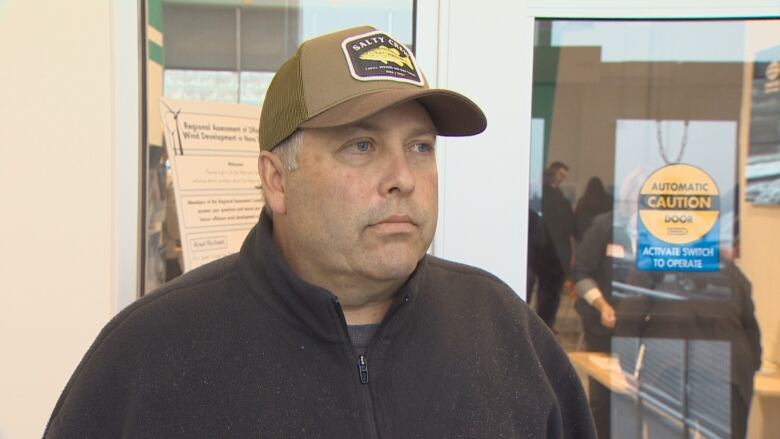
414	125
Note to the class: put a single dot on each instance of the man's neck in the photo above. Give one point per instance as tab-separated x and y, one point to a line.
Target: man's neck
367	313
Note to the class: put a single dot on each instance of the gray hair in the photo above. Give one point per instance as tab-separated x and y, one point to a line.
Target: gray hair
288	150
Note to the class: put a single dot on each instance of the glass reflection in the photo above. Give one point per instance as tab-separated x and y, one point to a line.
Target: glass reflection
647	115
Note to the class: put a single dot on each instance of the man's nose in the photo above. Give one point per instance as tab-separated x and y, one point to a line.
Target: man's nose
398	175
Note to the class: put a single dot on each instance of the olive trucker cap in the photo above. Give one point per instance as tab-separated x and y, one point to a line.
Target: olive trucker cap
343	77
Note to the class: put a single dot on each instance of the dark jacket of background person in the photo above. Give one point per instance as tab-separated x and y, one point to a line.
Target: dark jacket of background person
593	262
551	263
243	347
558	220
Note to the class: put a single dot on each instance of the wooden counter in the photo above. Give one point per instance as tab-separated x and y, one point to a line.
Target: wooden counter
606	370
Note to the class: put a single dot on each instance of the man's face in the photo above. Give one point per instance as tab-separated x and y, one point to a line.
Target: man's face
362	206
560	176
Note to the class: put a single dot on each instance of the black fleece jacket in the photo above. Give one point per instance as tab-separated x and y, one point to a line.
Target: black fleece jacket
243	347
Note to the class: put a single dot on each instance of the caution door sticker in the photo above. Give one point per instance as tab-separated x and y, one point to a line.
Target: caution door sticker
679	207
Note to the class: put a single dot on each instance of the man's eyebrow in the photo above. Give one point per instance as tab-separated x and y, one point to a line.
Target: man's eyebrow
425	131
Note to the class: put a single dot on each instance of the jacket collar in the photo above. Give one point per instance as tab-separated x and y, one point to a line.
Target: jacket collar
308	306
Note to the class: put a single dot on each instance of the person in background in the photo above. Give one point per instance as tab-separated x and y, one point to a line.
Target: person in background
556	255
594	201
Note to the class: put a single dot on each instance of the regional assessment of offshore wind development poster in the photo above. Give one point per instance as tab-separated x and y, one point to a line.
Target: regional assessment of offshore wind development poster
213	148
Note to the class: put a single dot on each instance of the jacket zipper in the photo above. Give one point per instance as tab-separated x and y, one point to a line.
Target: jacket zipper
363	369
362	364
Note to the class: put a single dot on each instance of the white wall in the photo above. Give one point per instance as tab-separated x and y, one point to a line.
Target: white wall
56	183
483	48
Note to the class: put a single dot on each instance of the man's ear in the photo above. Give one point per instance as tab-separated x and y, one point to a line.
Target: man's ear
273	178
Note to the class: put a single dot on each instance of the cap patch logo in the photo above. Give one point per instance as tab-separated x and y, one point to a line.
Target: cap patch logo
376	56
385	55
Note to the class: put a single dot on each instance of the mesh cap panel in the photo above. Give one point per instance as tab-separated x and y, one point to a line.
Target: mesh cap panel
284	108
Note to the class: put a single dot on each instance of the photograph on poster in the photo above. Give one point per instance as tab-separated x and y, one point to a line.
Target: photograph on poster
763	163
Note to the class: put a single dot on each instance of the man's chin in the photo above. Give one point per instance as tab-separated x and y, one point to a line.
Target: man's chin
395	267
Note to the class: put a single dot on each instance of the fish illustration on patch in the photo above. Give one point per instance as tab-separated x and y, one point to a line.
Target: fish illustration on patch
386	54
376	56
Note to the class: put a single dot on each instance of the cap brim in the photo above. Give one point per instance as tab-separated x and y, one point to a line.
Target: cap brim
451	113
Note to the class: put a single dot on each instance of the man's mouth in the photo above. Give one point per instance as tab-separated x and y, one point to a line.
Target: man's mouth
396	219
395	224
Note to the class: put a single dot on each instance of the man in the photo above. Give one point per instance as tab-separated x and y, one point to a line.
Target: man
555	257
332	322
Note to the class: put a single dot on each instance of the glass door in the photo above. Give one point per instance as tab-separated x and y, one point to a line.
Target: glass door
655	167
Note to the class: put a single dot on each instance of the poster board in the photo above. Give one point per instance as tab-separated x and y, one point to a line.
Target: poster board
212	148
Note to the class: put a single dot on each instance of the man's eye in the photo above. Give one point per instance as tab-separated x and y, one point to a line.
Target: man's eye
363	146
422	147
